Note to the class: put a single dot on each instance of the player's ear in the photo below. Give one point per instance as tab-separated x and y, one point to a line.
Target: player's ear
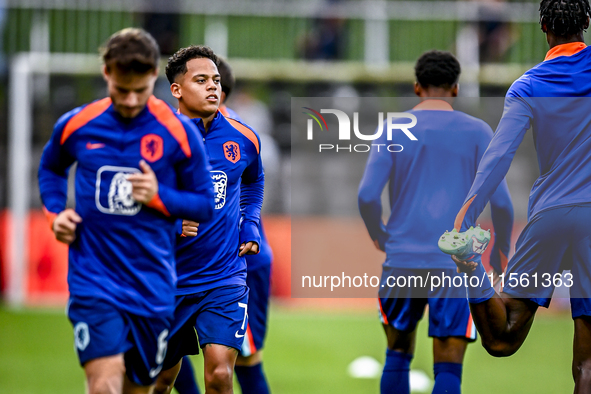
418	89
586	24
222	97
175	90
105	72
544	27
455	90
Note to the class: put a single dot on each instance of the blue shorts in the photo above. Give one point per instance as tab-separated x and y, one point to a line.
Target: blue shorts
219	316
403	307
101	330
258	281
554	240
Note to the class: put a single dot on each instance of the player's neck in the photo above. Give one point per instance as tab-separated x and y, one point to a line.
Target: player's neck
556	40
207	119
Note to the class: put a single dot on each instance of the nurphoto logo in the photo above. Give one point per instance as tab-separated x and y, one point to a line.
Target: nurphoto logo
395	121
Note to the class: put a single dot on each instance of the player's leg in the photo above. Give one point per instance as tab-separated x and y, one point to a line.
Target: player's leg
104	375
221	326
167	379
580	293
448	360
182	341
185	382
400	311
101	339
218	366
130	387
399	354
249	364
582	355
145	360
543	250
503	323
452	328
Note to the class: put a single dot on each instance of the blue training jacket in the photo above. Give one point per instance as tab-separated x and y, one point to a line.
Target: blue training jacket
428	180
553	98
124	251
265	255
210	259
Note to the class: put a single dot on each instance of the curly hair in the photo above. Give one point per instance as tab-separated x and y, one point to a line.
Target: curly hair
565	18
437	68
177	63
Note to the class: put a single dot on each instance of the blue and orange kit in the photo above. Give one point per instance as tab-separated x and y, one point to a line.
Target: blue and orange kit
556	94
428	180
124	250
210	259
265	255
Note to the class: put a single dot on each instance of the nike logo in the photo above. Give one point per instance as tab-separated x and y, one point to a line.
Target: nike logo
90	146
237	335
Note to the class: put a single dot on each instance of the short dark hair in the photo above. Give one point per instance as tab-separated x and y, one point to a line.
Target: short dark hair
131	50
437	68
565	18
227	77
177	63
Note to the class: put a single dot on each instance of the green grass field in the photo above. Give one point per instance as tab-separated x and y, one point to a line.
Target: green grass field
306	352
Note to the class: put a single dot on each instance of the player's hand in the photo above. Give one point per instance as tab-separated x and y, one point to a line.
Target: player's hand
190	228
248	248
64	225
464	266
145	185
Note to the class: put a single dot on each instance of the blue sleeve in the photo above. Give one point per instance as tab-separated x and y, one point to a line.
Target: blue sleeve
193	197
496	160
502	217
53	171
251	198
377	172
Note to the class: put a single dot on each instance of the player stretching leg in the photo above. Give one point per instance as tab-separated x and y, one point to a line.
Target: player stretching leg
557	234
212	297
140	166
419	197
249	364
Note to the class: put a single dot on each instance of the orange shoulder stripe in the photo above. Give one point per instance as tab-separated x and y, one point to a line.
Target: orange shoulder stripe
223	109
87	114
168	119
248	133
157	204
462	214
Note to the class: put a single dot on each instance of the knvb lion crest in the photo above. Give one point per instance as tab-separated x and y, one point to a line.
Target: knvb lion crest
232	151
152	147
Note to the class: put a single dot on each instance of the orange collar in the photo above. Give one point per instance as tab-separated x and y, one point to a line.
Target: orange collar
434	105
565	50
